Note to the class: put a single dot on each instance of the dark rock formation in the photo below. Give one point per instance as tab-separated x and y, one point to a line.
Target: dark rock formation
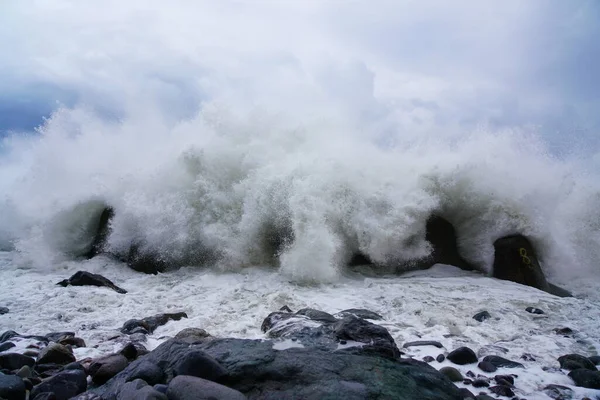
515	260
257	370
64	385
193	388
501	362
462	356
423	343
482	316
55	353
12	387
359	313
84	278
14	361
102	232
104	368
149	324
586	378
575	361
452	373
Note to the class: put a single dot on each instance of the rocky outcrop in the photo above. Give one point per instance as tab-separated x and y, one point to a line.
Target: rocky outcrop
149	324
84	278
515	260
102	232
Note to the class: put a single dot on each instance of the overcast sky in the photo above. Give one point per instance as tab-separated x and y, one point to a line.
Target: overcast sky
418	65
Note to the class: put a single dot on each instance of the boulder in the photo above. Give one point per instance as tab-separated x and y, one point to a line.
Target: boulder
149	324
452	373
14	361
515	260
501	362
84	278
149	372
145	262
558	392
12	387
104	368
360	313
192	335
487	366
199	364
586	378
575	361
482	316
317	315
257	370
193	388
64	385
375	337
55	353
102	232
462	356
139	390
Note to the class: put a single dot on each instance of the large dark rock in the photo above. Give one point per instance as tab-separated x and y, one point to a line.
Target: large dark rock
193	388
14	361
575	361
375	337
6	345
317	315
84	278
501	362
586	378
515	260
442	236
193	335
258	370
104	368
462	356
558	392
102	232
360	313
149	324
12	387
199	364
145	262
55	353
64	385
148	372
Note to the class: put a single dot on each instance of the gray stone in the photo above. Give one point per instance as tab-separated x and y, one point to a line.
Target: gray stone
149	372
452	373
193	388
575	361
64	385
201	365
586	378
104	368
14	361
12	387
501	362
192	335
55	353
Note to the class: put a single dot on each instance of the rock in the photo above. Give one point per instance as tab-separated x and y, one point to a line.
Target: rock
64	385
487	366
479	383
4	310
139	390
58	336
483	396
14	361
376	337
506	380
502	390
515	260
192	335
317	315
491	349
501	362
595	359
258	370
428	359
162	388
149	324
440	233
102	232
72	341
423	343
45	396
558	392
452	373
462	356
560	292
482	316
534	310
55	353
24	372
527	357
12	387
6	345
586	378
147	263
575	361
466	394
360	313
84	278
8	335
193	388
104	368
564	331
129	351
440	358
200	365
149	372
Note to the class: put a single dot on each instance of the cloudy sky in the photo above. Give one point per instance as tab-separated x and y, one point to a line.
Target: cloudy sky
417	65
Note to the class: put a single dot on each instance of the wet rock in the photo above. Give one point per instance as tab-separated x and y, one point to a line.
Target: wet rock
440	358
502	390
317	315
84	278
534	310
377	339
466	394
145	262
586	378
483	396
55	353
58	336
8	335
193	388
6	345
423	343
72	341
527	357
45	396
558	392
104	368
162	388
129	351
139	390
14	361
501	362
428	359
275	319
558	291
64	385
491	349
595	359
149	324
258	370
575	361
515	260
482	316
200	365
4	310
149	372
12	387
479	383
285	309
462	356
564	331
24	372
360	313
192	335
506	380
487	366
452	373
102	232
